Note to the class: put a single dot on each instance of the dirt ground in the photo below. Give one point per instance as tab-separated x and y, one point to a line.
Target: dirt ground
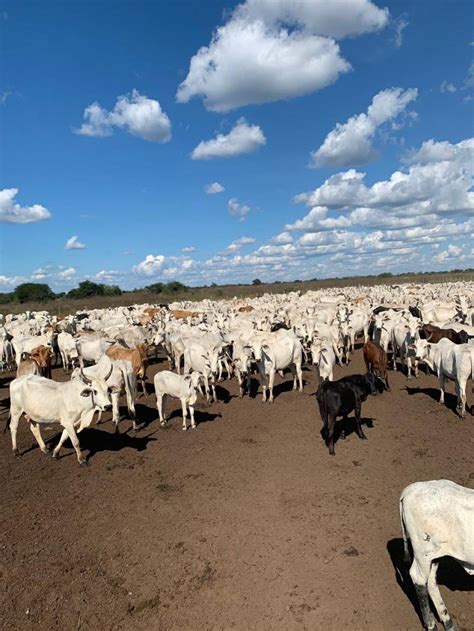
244	523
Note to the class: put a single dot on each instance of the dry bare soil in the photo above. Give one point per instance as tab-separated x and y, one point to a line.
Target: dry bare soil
244	523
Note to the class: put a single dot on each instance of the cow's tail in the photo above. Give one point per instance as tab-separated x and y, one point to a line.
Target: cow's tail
406	551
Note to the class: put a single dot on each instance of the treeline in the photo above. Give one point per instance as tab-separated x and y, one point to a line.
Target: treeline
40	292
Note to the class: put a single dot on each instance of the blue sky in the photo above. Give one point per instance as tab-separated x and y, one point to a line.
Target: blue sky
360	110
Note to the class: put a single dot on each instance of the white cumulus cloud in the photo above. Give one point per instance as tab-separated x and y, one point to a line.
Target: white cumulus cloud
278	49
215	187
11	212
351	143
242	138
73	243
137	114
150	266
238	244
238	210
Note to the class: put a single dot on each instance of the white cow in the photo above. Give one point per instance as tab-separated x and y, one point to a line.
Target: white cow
404	333
67	350
120	379
205	361
278	351
438	518
182	387
91	350
43	401
446	359
324	359
241	360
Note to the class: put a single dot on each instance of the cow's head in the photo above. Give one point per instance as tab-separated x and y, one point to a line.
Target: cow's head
94	389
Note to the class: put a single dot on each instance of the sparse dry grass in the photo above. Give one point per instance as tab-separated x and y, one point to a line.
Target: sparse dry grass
64	306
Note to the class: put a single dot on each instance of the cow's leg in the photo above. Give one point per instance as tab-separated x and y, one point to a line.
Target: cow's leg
330	434
15	414
360	432
131	407
213	387
415	363
441	381
191	414
115	409
221	368
461	393
144	390
183	407
75	443
271	381
394	356
366	334
299	372
436	599
64	436
293	372
419	577
36	431
240	382
206	388
160	404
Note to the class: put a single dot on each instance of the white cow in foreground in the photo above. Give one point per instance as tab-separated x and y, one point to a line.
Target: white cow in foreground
438	518
446	359
44	401
182	387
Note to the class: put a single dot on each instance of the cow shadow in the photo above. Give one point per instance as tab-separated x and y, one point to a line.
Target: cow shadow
349	426
450	574
222	394
450	400
95	440
146	414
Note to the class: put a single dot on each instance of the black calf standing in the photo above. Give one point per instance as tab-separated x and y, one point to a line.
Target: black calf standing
340	398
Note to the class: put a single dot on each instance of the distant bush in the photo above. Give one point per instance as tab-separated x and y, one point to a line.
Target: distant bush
256	281
112	290
38	292
155	288
174	285
385	275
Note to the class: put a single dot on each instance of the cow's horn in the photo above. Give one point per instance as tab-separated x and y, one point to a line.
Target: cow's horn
110	371
85	379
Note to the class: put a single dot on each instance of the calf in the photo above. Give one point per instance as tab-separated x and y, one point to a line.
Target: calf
340	398
437	516
183	387
42	355
375	359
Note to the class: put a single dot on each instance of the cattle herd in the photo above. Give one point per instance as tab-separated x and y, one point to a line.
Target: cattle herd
107	353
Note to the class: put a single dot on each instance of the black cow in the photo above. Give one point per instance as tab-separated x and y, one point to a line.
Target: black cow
340	398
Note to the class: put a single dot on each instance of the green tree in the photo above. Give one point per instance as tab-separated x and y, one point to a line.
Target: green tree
155	288
174	285
256	281
33	291
86	289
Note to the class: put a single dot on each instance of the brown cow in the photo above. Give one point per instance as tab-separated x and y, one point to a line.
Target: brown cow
434	334
245	309
375	359
136	356
42	355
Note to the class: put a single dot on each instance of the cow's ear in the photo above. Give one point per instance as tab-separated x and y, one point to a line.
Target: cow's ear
86	392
